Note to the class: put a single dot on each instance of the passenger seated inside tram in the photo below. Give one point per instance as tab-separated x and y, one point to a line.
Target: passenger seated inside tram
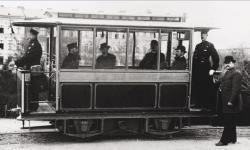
106	60
72	60
150	59
180	62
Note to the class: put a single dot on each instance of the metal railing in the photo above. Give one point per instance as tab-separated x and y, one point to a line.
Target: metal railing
35	88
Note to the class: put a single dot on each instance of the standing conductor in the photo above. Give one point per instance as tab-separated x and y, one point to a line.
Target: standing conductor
32	54
205	62
31	58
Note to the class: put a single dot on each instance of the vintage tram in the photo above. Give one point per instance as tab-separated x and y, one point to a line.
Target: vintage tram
90	100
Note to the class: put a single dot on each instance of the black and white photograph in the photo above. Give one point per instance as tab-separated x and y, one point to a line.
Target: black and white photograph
124	75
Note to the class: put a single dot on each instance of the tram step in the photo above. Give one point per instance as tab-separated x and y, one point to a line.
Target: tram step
44	108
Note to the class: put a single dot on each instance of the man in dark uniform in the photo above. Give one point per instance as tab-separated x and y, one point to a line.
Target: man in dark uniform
33	53
150	59
180	62
106	60
71	61
31	59
205	62
231	100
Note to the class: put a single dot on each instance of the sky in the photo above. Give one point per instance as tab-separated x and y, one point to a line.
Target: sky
231	17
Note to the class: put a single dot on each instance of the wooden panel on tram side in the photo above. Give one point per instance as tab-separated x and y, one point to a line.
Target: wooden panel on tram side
108	76
173	95
76	96
125	96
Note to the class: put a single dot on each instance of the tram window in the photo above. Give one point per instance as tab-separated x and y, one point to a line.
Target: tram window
76	49
140	54
86	48
176	46
179	57
110	48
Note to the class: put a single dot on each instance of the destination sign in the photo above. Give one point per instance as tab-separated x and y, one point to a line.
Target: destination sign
119	17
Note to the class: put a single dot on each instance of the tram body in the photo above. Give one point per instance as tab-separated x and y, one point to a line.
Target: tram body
125	95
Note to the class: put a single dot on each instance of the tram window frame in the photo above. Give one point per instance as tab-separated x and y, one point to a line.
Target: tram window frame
105	32
78	40
157	38
127	32
186	42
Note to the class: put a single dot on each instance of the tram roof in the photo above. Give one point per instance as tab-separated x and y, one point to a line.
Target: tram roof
51	22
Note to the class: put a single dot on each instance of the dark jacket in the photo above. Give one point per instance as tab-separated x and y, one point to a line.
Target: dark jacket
106	62
32	55
204	52
150	61
179	63
71	61
230	91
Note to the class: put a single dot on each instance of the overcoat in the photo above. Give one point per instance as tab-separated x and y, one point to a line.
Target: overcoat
203	54
230	91
149	61
106	62
180	63
32	55
205	58
71	61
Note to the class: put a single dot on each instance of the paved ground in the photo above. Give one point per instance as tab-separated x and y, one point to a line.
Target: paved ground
194	138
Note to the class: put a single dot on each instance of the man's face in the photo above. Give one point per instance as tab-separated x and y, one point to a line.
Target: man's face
178	53
104	50
74	50
204	36
229	65
154	47
31	36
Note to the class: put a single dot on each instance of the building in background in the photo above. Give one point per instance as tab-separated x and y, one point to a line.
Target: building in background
12	38
14	43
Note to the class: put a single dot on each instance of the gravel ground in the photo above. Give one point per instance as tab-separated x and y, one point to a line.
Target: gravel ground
14	126
191	138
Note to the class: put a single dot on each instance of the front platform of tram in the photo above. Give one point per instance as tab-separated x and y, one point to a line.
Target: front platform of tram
35	91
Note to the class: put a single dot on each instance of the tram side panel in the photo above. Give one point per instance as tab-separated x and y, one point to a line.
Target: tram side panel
124	95
173	95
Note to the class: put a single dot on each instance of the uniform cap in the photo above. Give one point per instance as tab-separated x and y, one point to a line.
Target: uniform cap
33	31
182	48
229	59
72	45
204	31
104	45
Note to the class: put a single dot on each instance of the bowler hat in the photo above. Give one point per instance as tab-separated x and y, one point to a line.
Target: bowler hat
229	59
182	48
72	45
154	42
104	45
33	31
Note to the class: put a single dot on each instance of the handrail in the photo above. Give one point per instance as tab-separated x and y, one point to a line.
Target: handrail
29	71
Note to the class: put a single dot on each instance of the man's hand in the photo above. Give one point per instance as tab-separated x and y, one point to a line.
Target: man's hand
229	104
211	72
